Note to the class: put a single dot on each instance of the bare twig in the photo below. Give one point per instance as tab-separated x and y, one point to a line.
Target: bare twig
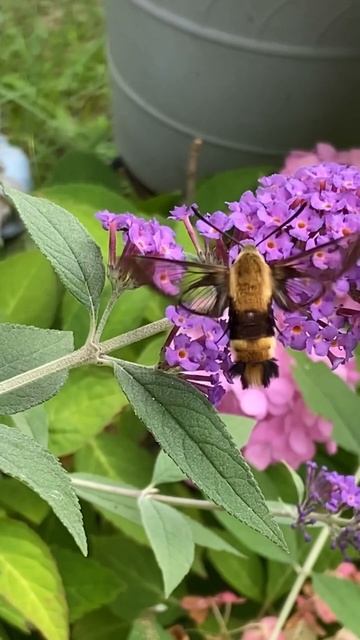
192	169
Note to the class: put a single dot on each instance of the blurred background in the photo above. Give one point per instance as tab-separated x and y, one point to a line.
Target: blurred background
54	93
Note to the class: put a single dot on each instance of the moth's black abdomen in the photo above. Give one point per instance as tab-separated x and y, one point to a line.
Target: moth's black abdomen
250	325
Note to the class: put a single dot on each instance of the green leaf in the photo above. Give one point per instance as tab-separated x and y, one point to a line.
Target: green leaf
29	290
212	193
255	542
207	537
342	596
29	580
297	482
160	205
13	617
166	470
100	625
278	483
18	498
245	575
88	585
83	200
74	317
189	430
171	540
327	395
149	354
146	628
85	405
24	348
279	580
116	456
239	427
130	311
23	458
3	633
34	423
135	566
72	252
82	166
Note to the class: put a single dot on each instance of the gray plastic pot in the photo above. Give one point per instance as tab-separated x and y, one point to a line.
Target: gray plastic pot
253	78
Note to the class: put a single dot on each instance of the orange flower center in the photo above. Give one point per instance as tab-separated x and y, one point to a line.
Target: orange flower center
296	329
182	353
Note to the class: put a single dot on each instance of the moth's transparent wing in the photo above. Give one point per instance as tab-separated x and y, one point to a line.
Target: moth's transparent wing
200	288
302	279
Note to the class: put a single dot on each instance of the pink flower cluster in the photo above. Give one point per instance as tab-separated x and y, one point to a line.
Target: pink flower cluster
262	630
286	429
323	152
310	614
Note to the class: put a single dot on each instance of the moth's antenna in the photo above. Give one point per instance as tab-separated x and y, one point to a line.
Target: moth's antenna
222	233
283	224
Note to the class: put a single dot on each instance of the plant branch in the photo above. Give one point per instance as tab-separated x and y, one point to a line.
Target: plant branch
105	316
152	492
135	335
88	354
85	355
137	493
192	169
304	573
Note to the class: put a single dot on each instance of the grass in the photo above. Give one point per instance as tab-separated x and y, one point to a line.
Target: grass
53	79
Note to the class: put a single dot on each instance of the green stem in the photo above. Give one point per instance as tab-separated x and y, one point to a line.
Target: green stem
221	622
81	483
90	353
152	492
304	573
105	316
135	335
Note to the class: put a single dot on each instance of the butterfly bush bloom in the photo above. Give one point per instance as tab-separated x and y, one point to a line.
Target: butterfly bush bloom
141	237
331	493
198	347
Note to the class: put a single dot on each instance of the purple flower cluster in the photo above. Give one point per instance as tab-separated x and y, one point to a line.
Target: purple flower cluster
198	346
331	193
329	492
141	237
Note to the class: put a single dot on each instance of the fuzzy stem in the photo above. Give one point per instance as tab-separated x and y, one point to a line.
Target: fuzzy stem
116	489
88	354
105	316
135	335
137	493
304	573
